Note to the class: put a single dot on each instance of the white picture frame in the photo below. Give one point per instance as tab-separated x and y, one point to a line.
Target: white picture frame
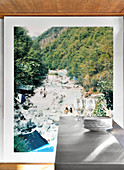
9	23
1	87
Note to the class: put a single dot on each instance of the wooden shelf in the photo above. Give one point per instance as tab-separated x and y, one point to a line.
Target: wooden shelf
61	8
22	166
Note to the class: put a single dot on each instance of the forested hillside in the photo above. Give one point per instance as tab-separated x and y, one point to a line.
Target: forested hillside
28	65
86	53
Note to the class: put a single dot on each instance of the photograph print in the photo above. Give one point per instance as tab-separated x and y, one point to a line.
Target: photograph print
59	71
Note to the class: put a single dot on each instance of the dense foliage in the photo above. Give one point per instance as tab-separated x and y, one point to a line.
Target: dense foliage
87	54
28	65
21	145
100	107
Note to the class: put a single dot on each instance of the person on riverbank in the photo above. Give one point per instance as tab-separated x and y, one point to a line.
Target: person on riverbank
41	91
66	110
44	90
88	93
70	110
44	95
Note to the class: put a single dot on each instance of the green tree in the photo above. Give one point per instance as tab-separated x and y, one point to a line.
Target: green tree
28	63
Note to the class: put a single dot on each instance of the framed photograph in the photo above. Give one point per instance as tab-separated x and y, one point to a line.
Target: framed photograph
51	66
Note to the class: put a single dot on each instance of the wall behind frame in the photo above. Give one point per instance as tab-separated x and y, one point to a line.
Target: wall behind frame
1	87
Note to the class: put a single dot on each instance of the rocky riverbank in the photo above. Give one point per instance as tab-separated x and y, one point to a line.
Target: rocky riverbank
43	112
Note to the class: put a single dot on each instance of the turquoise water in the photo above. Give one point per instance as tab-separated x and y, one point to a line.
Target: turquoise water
45	148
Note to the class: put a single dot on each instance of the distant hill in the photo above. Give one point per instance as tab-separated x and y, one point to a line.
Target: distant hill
49	35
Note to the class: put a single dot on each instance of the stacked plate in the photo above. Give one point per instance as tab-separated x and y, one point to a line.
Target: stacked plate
98	123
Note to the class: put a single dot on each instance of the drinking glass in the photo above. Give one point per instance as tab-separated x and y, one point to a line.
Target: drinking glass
78	108
90	106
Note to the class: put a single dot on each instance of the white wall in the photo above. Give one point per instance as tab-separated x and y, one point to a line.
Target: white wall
118	71
1	89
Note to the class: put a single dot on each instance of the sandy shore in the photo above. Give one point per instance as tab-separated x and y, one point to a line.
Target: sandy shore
58	96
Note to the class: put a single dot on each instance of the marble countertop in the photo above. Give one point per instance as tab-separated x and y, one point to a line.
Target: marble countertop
79	148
